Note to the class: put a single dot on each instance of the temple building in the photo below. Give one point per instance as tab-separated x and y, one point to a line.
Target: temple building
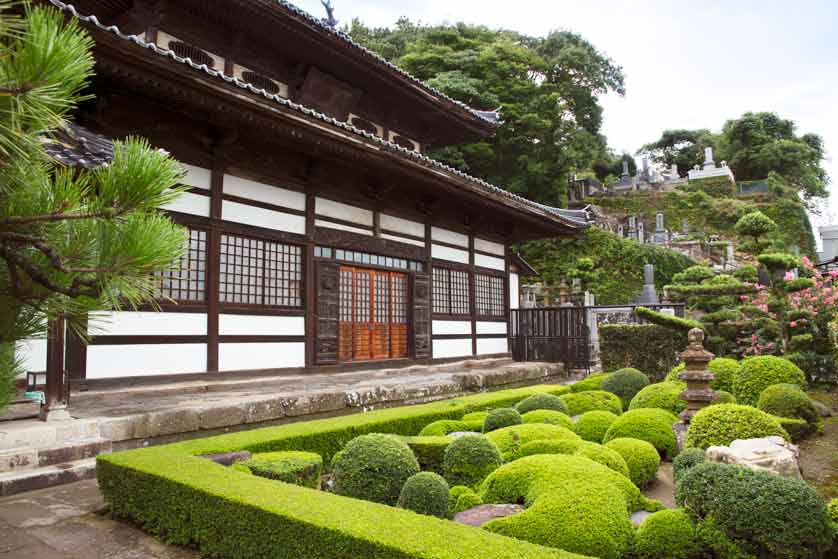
320	233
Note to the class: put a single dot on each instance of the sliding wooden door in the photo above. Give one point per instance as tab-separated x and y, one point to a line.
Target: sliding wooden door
373	314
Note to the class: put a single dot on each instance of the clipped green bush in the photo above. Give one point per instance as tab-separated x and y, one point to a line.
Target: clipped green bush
797	428
510	439
469	459
500	418
425	493
591	382
454	493
724	397
573	504
832	510
758	373
672	375
605	456
546	446
300	468
625	383
541	402
429	451
764	514
667	534
647	424
548	416
442	427
592	425
788	400
650	348
475	416
685	460
721	424
725	369
467	501
641	458
373	467
663	395
590	400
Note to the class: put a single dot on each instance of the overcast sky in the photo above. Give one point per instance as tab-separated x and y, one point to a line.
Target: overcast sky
687	64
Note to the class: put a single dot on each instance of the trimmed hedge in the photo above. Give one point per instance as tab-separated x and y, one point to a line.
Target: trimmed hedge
788	400
547	446
429	451
469	459
650	348
725	369
724	397
647	424
592	425
687	459
510	439
625	383
667	534
591	382
301	468
721	424
590	400
663	395
500	418
467	501
541	402
373	467
189	500
425	493
548	416
758	373
672	375
764	514
442	427
605	456
641	458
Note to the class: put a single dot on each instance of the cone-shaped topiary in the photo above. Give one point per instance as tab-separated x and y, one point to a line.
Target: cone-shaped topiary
469	459
548	416
685	460
605	456
373	467
668	534
625	383
541	401
580	402
663	395
591	382
425	493
725	369
500	418
758	373
721	424
652	425
641	458
592	425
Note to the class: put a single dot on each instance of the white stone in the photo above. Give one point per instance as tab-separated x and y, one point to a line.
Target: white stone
768	454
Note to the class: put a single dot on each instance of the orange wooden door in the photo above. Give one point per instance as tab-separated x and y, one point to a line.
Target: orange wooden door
362	327
381	315
398	315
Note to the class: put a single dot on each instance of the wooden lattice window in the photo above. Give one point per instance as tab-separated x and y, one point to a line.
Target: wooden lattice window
488	295
260	82
259	272
450	289
193	53
187	282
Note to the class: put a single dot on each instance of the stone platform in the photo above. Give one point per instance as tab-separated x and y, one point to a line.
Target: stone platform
34	454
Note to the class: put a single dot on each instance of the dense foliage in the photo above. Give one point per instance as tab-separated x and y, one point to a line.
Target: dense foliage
646	424
374	468
667	534
425	493
721	424
687	459
548	416
641	458
541	402
758	373
469	459
502	417
663	395
589	400
592	425
650	348
301	468
625	383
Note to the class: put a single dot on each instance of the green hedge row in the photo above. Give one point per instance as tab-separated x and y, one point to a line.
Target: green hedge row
650	348
189	500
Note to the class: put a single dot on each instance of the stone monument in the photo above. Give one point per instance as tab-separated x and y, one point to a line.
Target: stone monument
649	295
698	393
709	169
660	232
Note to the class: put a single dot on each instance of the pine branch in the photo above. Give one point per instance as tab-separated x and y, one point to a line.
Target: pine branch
59	216
38	276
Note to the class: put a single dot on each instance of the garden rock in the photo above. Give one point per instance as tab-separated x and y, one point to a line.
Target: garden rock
462	433
769	454
638	517
481	514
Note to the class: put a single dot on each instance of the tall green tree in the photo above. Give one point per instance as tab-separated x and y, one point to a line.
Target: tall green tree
547	90
72	242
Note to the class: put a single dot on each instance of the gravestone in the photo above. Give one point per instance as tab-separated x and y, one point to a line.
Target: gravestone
649	295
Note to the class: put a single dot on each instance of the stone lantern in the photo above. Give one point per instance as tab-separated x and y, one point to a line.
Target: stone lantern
698	393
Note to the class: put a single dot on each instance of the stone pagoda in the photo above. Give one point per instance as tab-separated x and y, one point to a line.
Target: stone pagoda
698	393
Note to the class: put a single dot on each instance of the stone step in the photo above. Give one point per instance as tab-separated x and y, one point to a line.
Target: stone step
12	483
30	458
32	433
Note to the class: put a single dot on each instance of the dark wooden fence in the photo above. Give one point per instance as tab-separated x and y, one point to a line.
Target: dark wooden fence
552	334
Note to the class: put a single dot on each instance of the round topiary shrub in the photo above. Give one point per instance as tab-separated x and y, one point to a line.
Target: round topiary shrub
641	458
509	440
721	424
500	418
647	424
454	493
672	375
442	427
686	459
592	425
542	446
725	369
788	400
724	397
467	501
548	416
625	383
374	468
663	395
299	468
469	459
590	400
605	456
591	382
541	401
668	534
425	493
758	373
764	514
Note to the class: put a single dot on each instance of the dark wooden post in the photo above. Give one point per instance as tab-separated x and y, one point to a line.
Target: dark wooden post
57	390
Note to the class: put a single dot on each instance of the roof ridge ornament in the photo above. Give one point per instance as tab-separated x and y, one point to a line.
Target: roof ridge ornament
330	13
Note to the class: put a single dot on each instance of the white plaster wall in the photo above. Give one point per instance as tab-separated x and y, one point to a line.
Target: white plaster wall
241	356
400	225
403	240
130	323
451	348
487	346
447	236
448	253
252	190
330	208
489	262
110	361
197	177
260	217
489	246
189	203
33	355
260	325
342	227
449	327
514	291
491	327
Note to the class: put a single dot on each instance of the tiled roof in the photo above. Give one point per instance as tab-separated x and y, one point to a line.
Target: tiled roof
76	146
575	219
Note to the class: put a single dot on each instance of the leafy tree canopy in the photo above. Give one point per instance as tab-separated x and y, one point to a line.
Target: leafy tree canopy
684	148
